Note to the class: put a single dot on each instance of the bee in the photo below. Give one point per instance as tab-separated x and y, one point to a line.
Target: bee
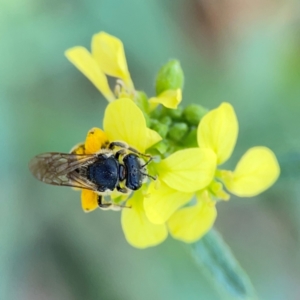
106	171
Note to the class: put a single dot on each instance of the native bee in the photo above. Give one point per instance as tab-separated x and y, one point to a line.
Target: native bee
107	170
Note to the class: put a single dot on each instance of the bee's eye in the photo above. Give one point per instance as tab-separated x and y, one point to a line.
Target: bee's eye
122	172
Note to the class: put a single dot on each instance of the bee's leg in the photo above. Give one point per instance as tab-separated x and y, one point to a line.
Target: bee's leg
109	205
121	152
122	189
103	205
123	145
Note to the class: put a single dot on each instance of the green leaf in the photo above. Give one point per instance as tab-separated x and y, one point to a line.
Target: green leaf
214	255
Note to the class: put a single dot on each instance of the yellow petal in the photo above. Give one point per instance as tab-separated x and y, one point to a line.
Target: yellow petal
188	170
95	140
189	224
161	203
89	200
152	137
85	63
256	171
169	99
138	230
109	53
218	130
124	121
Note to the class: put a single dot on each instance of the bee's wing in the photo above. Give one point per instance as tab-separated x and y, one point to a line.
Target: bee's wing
60	169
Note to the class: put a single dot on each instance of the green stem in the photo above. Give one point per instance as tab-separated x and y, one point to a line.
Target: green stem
213	254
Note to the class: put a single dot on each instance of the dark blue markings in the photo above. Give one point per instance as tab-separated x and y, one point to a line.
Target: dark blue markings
104	173
134	177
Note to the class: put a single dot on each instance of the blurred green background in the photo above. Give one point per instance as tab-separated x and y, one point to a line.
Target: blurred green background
244	52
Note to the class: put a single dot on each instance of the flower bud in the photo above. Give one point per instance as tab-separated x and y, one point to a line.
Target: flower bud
162	146
169	77
190	140
160	128
177	131
193	113
166	120
141	101
174	114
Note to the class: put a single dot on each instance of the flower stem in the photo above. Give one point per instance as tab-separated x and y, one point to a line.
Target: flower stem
213	254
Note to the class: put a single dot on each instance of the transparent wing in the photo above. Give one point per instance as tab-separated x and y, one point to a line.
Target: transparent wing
60	169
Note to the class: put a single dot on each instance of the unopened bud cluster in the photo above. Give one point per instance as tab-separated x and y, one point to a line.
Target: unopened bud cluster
177	127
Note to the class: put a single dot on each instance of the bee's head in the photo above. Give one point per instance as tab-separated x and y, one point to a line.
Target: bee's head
136	171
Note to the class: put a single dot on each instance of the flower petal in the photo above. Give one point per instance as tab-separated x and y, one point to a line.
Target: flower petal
109	53
188	170
89	200
84	62
169	98
124	121
95	140
256	171
189	224
152	137
218	130
161	203
138	230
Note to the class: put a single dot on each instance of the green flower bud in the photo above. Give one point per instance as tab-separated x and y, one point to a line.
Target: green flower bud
174	114
160	128
193	113
156	113
147	118
178	131
166	120
190	140
162	147
169	77
141	101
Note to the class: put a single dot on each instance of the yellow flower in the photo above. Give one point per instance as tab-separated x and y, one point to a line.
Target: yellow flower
107	58
217	134
179	175
182	170
257	170
182	175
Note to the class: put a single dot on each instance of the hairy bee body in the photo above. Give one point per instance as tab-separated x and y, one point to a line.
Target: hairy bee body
103	172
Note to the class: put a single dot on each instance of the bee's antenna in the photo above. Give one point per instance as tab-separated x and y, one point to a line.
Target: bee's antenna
150	176
150	159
